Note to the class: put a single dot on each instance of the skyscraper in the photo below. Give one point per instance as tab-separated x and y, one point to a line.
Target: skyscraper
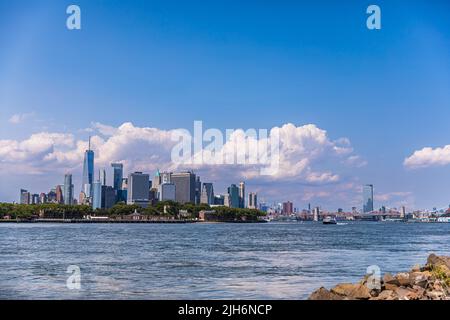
368	198
156	180
97	195
198	190
167	191
184	186
59	194
252	202
233	196
138	189
242	195
24	196
207	195
68	189
102	175
88	171
108	197
117	175
288	207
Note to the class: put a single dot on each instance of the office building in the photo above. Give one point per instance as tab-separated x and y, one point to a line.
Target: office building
138	189
68	189
102	175
59	194
368	198
88	171
35	198
156	180
207	194
242	195
117	175
219	200
97	195
233	196
198	190
24	196
316	213
185	183
252	202
288	207
108	197
43	198
167	191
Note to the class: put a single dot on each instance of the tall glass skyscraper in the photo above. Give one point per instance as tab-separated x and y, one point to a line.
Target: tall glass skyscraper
68	189
368	198
97	195
233	196
117	175
88	171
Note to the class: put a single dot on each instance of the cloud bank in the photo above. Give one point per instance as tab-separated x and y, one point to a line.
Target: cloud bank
428	157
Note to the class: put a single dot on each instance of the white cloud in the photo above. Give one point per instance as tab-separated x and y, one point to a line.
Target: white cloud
20	117
428	157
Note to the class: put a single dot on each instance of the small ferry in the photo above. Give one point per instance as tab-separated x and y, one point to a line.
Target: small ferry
329	220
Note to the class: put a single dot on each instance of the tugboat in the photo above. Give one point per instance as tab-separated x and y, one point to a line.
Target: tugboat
329	220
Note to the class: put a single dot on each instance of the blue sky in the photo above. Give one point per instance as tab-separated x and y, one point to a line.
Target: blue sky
238	64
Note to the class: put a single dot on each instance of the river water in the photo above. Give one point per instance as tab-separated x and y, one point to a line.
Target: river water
205	261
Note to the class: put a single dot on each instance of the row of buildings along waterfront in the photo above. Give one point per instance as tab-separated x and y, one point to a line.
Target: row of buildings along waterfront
139	188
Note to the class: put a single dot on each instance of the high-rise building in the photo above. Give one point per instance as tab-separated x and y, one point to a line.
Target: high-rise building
219	200
184	186
68	189
242	195
166	177
252	202
35	198
226	200
138	189
108	197
82	198
288	207
233	195
88	171
43	198
156	180
59	194
97	195
167	191
117	175
51	196
102	175
198	190
24	196
368	198
403	212
207	195
316	213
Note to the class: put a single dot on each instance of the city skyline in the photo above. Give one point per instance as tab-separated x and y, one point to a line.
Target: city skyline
355	106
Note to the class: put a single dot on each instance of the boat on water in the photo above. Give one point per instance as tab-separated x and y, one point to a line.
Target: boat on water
329	220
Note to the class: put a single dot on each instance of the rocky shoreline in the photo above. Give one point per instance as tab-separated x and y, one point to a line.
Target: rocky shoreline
430	282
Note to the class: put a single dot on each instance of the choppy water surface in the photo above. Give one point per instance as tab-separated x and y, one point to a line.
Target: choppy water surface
205	261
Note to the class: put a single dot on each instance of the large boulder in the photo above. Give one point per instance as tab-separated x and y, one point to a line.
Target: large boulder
403	279
385	295
434	260
324	294
352	291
